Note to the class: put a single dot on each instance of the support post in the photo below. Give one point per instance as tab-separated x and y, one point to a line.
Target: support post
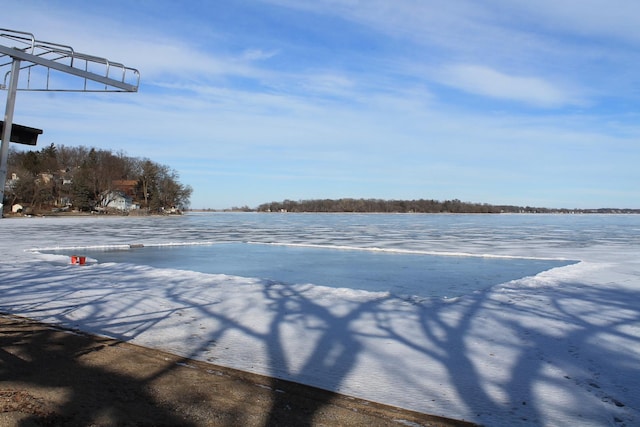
8	123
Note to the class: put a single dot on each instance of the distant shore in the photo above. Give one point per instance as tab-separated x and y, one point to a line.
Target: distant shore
147	214
74	214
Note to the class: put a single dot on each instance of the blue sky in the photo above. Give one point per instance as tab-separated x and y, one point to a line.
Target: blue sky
496	101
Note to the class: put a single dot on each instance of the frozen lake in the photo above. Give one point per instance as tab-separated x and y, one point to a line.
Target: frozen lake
403	273
545	341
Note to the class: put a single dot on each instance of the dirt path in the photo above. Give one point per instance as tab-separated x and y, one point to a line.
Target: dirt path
55	377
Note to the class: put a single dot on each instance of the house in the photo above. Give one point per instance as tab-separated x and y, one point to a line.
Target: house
117	199
127	186
46	177
10	184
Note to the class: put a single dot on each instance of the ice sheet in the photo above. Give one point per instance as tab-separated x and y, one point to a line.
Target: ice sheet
558	348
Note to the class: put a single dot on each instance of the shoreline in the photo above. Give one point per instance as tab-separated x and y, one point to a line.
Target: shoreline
60	376
219	212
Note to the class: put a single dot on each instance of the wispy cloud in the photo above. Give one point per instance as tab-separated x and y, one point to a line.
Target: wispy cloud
541	46
485	81
258	54
484	101
586	18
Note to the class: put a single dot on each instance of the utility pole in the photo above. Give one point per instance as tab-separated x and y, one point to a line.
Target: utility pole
6	130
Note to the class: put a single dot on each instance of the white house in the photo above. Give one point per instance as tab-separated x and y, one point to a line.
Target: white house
117	199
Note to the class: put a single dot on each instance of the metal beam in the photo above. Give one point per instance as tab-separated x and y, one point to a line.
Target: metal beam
23	56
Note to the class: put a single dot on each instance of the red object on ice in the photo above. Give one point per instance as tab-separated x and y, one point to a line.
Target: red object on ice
79	260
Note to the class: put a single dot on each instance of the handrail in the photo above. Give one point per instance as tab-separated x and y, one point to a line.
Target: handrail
35	54
17	37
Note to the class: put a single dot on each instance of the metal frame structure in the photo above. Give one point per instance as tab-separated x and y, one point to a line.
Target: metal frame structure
49	67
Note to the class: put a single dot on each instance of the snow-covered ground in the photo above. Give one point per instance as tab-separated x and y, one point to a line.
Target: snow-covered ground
561	348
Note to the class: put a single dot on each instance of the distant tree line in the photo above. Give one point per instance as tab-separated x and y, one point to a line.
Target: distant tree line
376	205
82	178
413	206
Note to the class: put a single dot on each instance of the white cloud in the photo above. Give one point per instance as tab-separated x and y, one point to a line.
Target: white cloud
485	81
155	52
468	19
258	54
557	52
326	83
586	18
283	102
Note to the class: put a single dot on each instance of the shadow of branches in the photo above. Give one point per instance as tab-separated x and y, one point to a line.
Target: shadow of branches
525	356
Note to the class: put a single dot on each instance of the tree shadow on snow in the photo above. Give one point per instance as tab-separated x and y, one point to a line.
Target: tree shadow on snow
434	336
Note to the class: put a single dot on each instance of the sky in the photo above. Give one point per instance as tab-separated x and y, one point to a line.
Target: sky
494	101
